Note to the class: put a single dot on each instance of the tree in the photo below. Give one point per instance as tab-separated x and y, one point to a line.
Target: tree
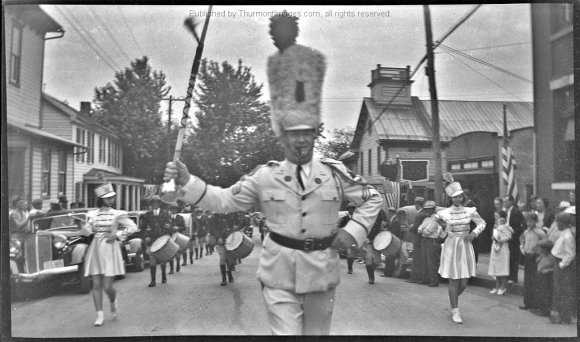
335	142
130	107
233	135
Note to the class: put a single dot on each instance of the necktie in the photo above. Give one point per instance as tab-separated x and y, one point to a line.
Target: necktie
298	176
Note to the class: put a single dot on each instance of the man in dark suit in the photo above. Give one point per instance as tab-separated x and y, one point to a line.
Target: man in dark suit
155	224
419	264
517	221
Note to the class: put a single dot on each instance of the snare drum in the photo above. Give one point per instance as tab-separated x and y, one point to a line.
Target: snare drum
387	243
239	244
164	248
181	239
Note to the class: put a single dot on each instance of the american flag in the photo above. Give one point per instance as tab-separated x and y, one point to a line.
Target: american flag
508	162
392	193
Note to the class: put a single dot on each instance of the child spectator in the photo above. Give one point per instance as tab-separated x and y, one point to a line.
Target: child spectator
499	259
528	246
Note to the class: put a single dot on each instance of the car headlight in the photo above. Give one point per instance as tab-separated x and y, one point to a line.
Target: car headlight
15	246
59	241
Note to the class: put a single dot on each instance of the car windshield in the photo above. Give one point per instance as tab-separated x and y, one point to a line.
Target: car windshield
58	222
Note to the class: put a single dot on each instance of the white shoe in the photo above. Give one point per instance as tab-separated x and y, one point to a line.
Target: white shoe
100	319
115	308
501	292
493	291
456	318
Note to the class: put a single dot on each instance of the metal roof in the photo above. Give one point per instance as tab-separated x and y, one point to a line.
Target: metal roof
39	133
456	118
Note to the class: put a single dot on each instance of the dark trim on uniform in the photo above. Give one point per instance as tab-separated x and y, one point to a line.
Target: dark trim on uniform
362	225
203	194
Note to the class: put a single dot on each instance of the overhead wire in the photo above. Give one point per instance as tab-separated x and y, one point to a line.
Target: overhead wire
102	58
435	45
490	47
130	31
486	64
108	32
492	81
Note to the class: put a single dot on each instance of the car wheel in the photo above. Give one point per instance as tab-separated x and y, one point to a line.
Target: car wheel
139	262
85	282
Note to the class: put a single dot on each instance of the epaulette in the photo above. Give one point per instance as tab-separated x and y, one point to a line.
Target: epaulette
348	176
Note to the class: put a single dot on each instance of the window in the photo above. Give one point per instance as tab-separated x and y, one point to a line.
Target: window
118	156
370	165
90	147
362	164
15	54
110	155
102	149
80	151
414	170
379	158
45	173
62	173
15	171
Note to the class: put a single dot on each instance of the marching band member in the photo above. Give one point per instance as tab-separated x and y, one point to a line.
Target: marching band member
104	260
300	196
457	258
177	225
156	223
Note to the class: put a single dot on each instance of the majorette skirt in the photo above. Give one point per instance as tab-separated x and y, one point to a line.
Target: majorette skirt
104	258
457	258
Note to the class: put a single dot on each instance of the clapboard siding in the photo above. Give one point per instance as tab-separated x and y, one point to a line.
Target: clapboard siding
23	101
55	121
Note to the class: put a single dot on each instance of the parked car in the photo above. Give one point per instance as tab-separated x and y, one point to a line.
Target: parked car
55	250
133	247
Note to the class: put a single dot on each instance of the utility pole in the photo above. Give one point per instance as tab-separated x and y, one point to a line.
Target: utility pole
169	112
434	105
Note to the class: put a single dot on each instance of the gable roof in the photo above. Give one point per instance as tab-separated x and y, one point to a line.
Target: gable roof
78	117
455	118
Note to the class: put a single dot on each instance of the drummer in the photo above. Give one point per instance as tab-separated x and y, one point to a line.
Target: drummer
177	225
155	224
300	196
372	257
226	260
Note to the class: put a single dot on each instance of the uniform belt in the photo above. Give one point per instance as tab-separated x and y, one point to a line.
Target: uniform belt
302	245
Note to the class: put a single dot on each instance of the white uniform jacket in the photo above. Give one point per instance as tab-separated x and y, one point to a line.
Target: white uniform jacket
295	213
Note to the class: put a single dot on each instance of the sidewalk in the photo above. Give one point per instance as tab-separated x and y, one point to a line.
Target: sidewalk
484	280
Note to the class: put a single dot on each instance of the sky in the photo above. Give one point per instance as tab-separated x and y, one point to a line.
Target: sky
102	39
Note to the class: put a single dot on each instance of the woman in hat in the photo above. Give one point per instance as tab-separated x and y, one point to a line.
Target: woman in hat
564	252
458	257
104	260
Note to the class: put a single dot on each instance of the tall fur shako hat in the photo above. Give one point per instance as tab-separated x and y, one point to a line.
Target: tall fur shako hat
105	190
295	75
452	188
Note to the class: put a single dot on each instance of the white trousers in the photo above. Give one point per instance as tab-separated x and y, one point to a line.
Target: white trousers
299	314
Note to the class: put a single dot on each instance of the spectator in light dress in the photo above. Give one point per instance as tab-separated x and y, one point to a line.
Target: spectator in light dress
499	259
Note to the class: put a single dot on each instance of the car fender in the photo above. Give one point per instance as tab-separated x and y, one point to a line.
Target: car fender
135	245
78	253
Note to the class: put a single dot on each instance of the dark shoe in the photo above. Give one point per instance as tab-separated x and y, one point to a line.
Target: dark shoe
171	272
421	282
523	307
410	281
371	281
384	275
185	264
223	283
152	284
349	272
196	258
433	285
164	280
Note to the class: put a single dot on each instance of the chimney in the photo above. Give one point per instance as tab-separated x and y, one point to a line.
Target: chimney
86	108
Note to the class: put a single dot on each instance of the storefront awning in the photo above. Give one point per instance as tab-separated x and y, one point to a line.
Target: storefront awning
39	133
92	176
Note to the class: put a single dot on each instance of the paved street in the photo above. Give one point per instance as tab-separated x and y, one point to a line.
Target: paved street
193	303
